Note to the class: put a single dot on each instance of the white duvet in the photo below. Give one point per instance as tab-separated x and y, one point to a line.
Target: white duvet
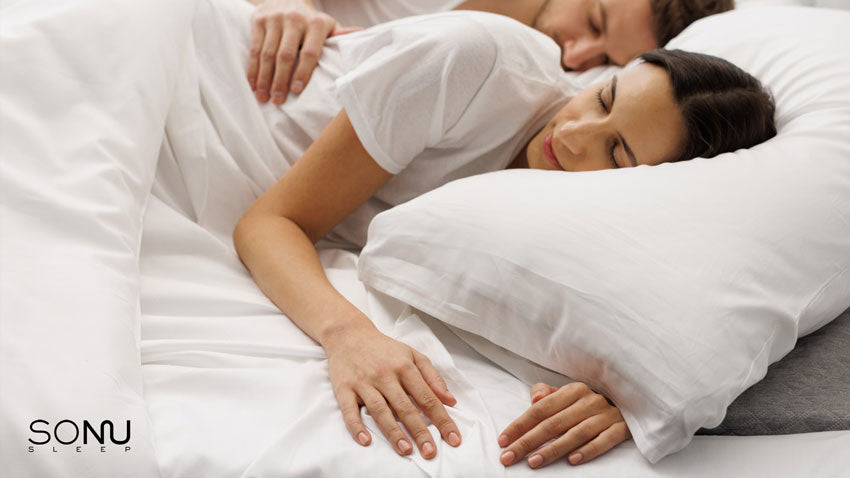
235	389
215	380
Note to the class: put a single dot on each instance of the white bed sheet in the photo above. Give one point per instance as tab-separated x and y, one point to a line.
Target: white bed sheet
236	389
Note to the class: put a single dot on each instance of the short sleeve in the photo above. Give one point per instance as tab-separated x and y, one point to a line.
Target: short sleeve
407	82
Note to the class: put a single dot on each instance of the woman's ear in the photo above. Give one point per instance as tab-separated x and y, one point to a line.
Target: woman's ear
540	390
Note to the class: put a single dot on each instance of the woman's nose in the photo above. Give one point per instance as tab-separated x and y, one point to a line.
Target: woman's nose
577	135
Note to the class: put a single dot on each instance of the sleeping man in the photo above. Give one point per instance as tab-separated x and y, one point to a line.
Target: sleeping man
287	35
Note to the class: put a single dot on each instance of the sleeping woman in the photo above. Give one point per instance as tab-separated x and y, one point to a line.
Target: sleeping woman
422	101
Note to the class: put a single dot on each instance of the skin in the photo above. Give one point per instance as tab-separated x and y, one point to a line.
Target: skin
597	32
581	423
587	136
287	36
275	239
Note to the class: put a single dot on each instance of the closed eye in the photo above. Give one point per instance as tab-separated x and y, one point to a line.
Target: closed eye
593	27
613	143
599	98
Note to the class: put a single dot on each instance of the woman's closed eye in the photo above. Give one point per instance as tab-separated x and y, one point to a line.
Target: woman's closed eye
613	144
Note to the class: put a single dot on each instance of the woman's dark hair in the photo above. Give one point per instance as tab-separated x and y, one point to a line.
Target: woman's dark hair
724	107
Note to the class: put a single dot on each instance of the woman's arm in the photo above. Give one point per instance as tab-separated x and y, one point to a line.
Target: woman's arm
582	422
275	240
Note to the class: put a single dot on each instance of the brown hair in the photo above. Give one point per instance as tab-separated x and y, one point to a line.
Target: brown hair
724	107
670	17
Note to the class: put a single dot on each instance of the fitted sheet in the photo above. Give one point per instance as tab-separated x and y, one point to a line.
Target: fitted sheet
808	390
236	389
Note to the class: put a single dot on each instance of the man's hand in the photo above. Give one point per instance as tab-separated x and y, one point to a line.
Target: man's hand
582	422
286	42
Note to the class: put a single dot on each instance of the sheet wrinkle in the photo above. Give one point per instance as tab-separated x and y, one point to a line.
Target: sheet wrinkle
157	351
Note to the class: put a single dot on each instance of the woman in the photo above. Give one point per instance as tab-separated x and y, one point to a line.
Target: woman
428	100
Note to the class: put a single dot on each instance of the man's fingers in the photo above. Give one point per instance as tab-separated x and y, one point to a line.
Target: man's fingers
267	59
380	411
258	34
613	436
340	30
433	379
351	415
287	54
431	406
311	50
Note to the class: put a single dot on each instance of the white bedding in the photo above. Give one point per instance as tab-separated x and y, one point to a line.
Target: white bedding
231	386
235	389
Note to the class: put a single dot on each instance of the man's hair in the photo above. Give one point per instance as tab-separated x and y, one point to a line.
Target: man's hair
670	17
724	108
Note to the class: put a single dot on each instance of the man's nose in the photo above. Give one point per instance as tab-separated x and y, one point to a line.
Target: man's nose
578	135
582	54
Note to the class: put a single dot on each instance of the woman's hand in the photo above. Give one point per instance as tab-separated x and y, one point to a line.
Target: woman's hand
370	368
285	33
582	422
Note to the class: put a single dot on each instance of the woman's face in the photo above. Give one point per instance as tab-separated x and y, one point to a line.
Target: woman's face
630	120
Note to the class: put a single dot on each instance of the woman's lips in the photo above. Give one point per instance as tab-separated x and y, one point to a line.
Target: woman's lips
549	153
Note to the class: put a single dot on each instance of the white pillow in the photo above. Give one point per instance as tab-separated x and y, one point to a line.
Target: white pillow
671	288
84	91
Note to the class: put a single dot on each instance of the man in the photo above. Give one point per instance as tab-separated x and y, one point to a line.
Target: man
287	35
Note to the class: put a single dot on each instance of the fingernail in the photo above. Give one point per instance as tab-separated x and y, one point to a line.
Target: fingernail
427	449
454	439
297	86
507	458
364	439
277	96
575	458
503	440
403	446
535	461
262	95
253	84
536	397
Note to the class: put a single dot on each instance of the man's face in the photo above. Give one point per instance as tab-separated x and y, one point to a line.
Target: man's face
597	32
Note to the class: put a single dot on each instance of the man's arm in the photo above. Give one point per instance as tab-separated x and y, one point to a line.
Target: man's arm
285	33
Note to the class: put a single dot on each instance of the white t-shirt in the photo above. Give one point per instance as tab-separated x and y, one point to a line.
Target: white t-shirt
432	98
365	13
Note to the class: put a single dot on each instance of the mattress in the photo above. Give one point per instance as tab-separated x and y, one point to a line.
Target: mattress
236	389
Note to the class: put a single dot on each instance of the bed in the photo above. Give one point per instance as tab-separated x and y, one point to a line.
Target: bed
124	301
233	390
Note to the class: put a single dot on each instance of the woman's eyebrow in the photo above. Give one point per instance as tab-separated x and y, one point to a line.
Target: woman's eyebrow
626	147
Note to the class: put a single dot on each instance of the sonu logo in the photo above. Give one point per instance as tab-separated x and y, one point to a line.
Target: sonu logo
69	432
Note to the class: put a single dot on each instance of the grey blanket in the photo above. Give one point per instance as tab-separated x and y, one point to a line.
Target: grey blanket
807	391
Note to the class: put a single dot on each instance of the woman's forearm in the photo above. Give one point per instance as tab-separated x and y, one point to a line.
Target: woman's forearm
286	266
274	239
